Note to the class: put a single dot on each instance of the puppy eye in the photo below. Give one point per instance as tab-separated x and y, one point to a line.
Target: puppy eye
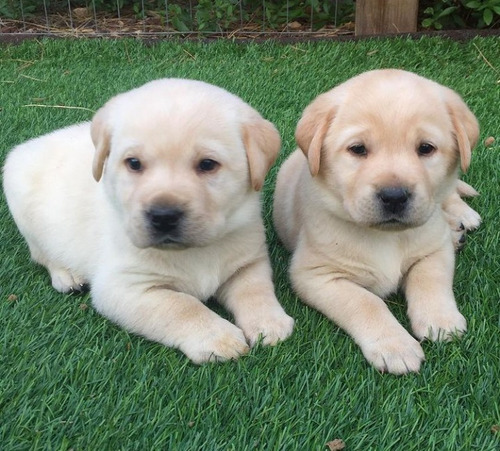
358	149
207	165
134	164
425	149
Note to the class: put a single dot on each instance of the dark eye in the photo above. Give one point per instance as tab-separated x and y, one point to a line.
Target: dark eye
425	149
207	165
358	150
134	164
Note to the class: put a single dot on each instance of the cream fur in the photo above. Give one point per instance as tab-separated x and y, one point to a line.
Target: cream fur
349	252
84	214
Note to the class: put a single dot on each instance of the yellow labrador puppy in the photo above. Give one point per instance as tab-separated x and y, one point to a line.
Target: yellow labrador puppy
174	219
360	204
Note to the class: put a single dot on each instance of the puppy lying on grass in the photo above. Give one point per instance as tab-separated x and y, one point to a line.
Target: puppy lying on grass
170	217
360	204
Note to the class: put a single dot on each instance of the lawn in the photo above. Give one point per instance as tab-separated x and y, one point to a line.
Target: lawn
70	379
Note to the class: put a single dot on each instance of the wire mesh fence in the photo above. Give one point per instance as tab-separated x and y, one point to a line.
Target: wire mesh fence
175	17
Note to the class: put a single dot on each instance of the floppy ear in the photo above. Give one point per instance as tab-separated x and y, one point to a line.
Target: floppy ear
101	138
465	126
312	128
262	143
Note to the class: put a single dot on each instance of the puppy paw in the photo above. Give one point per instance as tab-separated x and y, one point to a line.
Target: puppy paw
460	224
470	218
272	325
459	236
396	354
217	342
65	281
461	219
439	326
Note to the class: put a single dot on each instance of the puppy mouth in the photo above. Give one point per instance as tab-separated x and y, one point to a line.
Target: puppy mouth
165	224
168	242
394	205
393	224
392	221
177	239
179	244
399	222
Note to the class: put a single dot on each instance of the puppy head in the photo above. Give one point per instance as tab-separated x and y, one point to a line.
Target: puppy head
386	146
181	161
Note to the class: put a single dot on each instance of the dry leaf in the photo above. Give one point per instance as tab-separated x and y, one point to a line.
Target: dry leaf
82	13
336	445
489	141
295	25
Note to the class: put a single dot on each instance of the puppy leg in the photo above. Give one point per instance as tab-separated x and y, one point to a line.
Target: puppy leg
169	317
66	281
431	305
249	296
63	279
459	215
364	316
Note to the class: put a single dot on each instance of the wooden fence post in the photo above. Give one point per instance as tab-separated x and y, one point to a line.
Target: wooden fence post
385	16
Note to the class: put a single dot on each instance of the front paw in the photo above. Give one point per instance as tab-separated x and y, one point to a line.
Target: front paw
66	281
215	342
470	218
461	219
271	324
458	211
397	354
439	326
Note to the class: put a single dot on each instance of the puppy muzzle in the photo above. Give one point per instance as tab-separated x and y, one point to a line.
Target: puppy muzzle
395	205
394	201
165	223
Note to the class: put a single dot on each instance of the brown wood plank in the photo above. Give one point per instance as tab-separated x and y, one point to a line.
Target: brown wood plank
385	16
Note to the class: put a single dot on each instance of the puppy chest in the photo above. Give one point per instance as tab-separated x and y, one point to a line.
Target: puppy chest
200	276
382	268
385	273
378	260
378	268
197	282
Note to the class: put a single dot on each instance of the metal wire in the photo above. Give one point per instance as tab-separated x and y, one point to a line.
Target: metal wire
94	22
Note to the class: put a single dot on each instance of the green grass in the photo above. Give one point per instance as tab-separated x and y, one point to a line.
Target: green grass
70	379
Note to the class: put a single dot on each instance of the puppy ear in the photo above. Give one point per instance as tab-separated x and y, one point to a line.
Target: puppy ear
262	143
465	126
101	138
312	128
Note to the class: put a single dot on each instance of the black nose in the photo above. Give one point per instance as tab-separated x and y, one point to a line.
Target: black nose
165	219
394	199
